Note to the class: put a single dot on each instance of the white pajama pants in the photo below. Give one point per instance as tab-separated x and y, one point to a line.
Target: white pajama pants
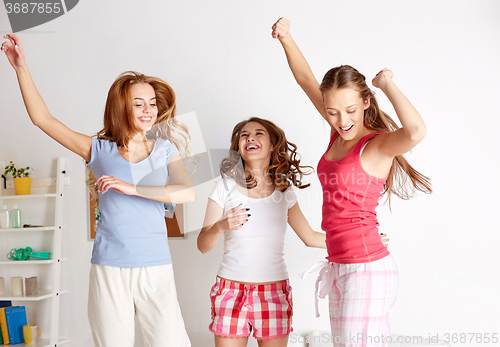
359	302
360	296
117	294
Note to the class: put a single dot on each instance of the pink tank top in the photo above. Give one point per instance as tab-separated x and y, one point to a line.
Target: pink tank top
350	196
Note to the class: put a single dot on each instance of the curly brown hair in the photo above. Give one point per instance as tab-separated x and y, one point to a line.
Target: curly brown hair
284	166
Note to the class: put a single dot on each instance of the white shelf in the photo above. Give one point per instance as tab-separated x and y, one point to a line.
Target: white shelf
26	229
30	196
43	342
42	295
40	182
50	192
30	262
26	262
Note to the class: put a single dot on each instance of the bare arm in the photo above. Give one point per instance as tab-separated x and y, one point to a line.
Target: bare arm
413	128
301	226
179	191
298	64
312	238
39	114
214	227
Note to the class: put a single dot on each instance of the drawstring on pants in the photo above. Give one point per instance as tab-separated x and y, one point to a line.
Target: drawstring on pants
324	282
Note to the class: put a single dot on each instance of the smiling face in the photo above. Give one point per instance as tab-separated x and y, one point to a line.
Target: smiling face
255	143
345	111
145	109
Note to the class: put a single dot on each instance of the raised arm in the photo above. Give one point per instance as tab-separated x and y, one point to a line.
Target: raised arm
180	190
413	128
214	226
79	143
298	64
301	226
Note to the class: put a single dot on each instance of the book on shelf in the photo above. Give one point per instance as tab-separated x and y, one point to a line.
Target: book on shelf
3	326
16	319
4	304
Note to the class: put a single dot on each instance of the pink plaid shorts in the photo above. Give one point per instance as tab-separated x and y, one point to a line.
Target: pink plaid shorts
238	308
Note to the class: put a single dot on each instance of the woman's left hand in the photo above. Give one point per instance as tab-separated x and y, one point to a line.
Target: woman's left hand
382	78
280	29
104	183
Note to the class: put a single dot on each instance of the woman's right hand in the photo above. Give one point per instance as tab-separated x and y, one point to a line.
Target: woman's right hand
281	28
14	51
236	218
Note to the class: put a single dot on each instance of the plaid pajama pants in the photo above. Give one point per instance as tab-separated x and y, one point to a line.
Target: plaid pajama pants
239	308
360	296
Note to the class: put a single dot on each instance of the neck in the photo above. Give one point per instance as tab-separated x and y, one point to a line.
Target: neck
138	141
259	172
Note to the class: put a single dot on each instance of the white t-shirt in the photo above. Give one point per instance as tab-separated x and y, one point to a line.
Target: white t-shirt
254	253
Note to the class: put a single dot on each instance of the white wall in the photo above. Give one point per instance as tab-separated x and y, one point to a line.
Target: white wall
223	64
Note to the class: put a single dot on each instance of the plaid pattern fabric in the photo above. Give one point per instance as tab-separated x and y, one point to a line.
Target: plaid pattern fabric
359	301
238	308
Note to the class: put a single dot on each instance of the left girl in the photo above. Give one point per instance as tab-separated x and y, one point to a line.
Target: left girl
133	156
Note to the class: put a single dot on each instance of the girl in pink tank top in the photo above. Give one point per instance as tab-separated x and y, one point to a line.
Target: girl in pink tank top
363	161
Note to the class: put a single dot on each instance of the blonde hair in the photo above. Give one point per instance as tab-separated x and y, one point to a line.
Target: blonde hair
403	179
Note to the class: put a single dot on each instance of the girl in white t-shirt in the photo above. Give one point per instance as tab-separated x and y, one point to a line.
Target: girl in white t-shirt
251	206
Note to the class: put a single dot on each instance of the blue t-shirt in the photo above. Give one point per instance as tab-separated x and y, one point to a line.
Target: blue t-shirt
132	230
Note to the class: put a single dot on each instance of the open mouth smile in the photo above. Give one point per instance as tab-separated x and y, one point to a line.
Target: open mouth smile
145	119
346	129
252	146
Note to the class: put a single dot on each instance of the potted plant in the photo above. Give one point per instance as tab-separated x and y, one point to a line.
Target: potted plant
22	181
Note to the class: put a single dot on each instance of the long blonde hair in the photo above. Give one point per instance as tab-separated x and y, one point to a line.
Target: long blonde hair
284	166
403	179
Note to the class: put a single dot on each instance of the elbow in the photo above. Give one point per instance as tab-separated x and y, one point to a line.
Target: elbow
303	81
418	134
201	243
188	195
40	120
191	194
202	249
307	243
300	81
